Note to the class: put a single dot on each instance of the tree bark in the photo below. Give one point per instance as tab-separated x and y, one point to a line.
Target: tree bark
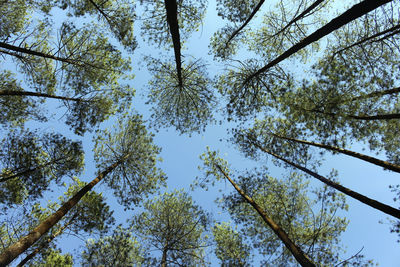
16	249
253	13
172	19
353	13
384	164
25	93
4	179
48	241
377	93
305	12
300	256
164	257
366	200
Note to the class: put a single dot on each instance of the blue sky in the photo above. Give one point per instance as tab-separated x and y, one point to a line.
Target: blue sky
180	155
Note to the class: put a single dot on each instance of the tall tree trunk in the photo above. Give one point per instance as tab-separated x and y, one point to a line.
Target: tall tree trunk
384	164
4	179
366	200
164	256
353	13
300	256
253	13
48	241
172	19
392	31
16	249
25	93
300	16
22	50
377	93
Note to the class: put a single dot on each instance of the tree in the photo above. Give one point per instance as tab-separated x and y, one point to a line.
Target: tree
187	106
29	162
130	156
173	225
119	249
231	248
286	208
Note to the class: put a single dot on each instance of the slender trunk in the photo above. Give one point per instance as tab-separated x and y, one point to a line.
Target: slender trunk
25	93
172	18
377	93
384	164
300	256
16	249
48	241
366	200
353	13
29	170
394	30
305	12
34	53
164	257
253	13
390	116
101	11
76	62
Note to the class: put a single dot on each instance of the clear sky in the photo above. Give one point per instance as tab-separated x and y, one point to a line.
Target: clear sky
180	155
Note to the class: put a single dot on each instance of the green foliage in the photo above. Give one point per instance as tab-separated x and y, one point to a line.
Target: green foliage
231	248
187	107
315	230
120	249
30	162
54	258
173	225
129	143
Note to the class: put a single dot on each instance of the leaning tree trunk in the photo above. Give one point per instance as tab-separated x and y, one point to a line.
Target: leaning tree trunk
300	256
353	13
36	94
16	249
382	163
366	200
47	242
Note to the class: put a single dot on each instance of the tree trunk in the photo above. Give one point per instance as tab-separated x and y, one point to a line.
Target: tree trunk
172	19
4	179
253	13
25	93
48	241
300	256
353	13
164	256
377	93
16	249
366	200
305	12
384	164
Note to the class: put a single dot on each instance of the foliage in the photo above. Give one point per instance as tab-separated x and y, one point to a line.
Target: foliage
30	162
172	224
129	143
120	249
231	247
187	107
54	258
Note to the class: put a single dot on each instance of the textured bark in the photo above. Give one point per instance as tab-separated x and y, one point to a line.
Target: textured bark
377	93
4	179
384	164
300	256
392	31
48	241
300	16
172	19
366	200
16	249
25	93
164	257
353	13
253	13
